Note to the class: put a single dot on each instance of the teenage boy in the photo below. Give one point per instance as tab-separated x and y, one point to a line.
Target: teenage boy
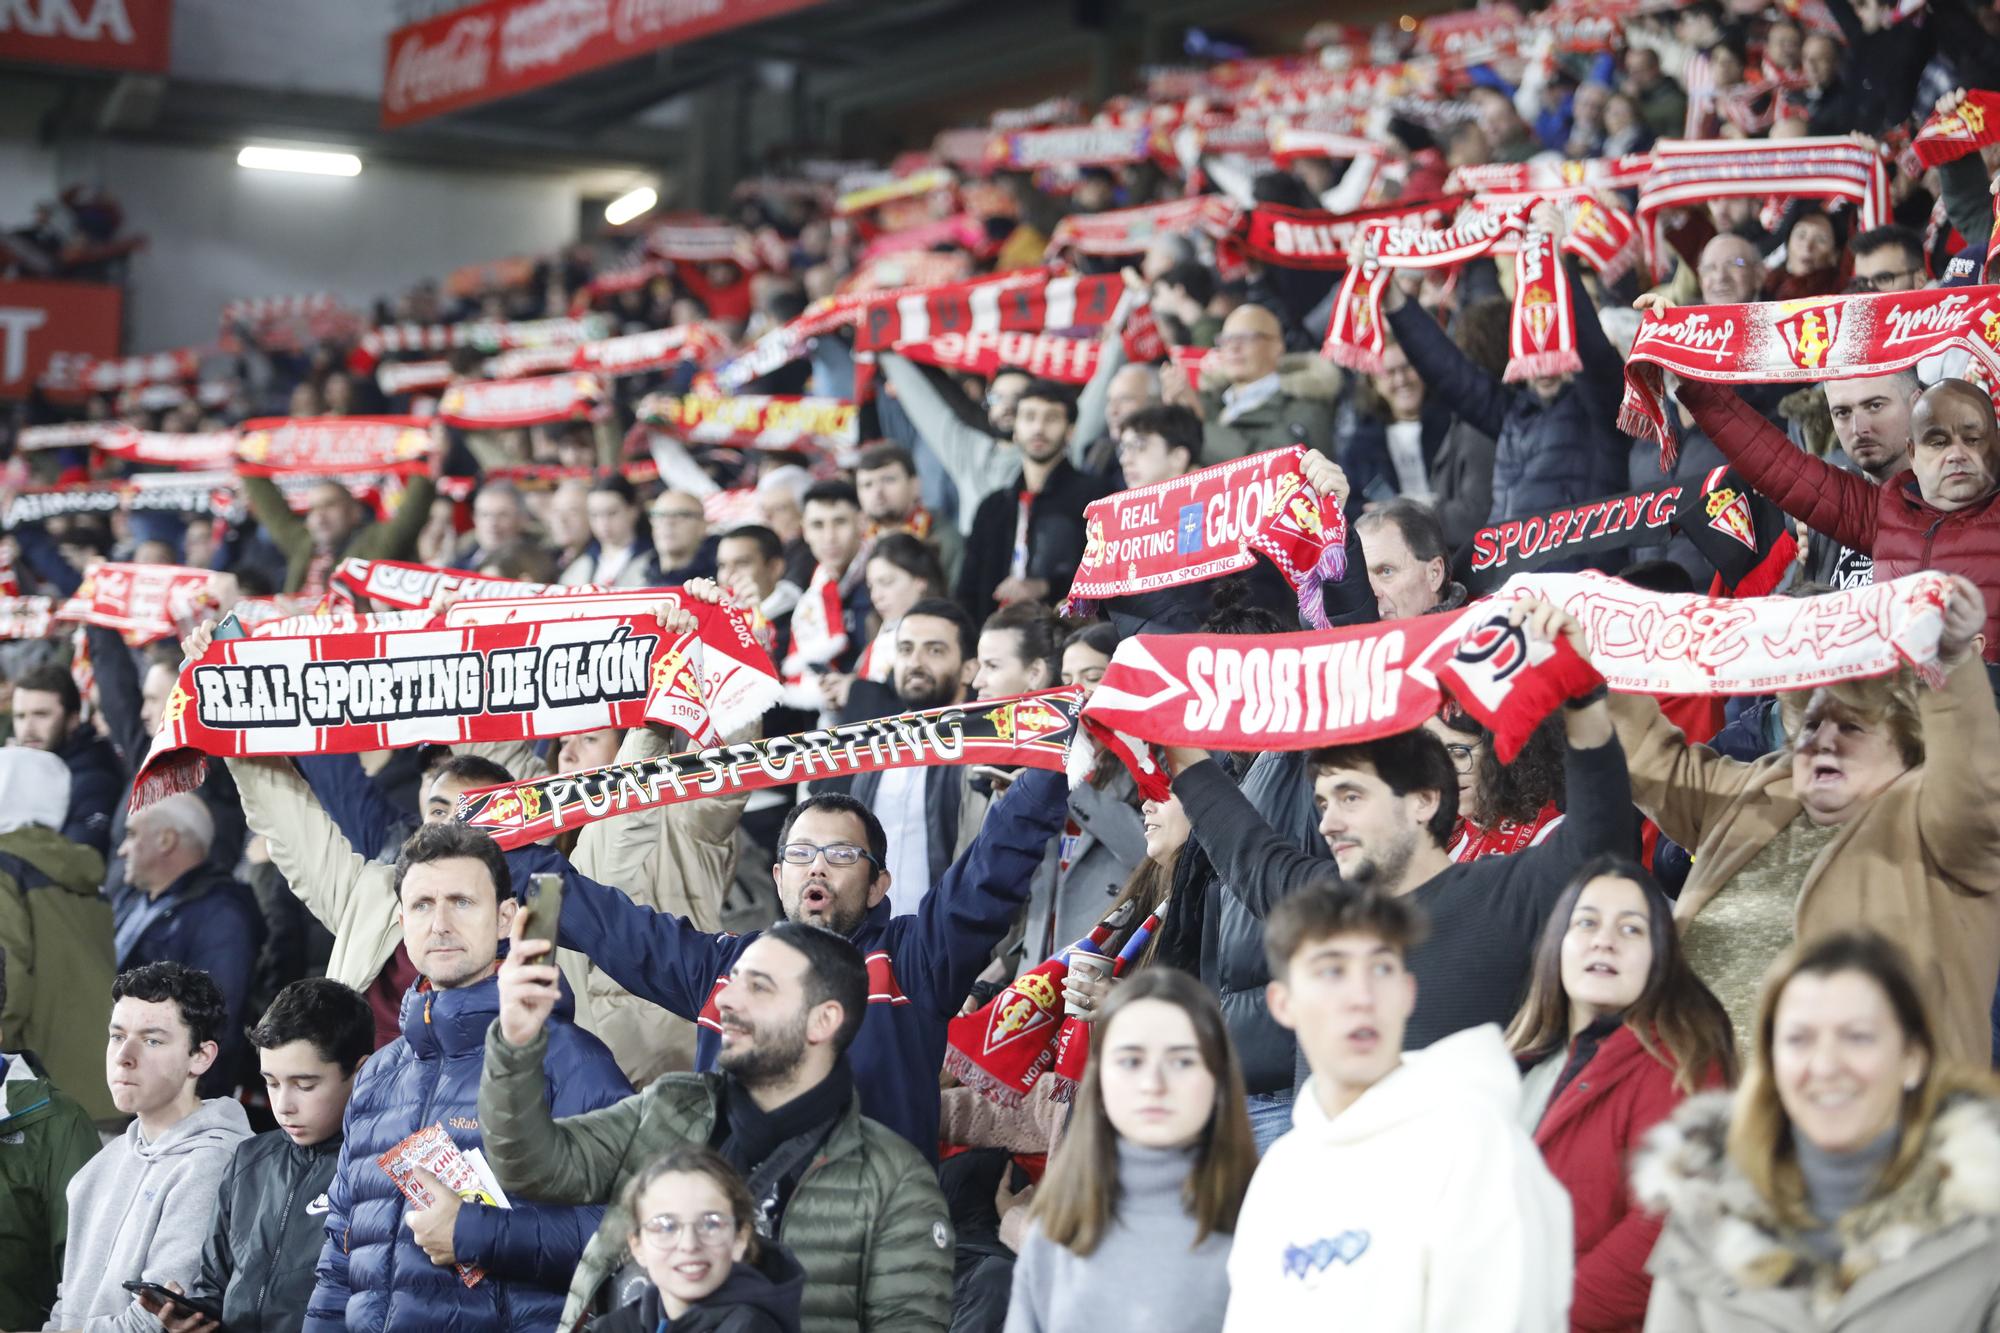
1406	1187
270	1216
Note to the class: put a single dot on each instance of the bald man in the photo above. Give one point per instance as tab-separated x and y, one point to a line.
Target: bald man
1262	398
1731	271
1941	514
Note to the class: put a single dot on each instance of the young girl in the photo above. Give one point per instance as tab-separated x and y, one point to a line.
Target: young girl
692	1232
1133	1222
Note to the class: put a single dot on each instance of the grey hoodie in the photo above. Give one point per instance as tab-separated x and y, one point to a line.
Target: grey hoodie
141	1210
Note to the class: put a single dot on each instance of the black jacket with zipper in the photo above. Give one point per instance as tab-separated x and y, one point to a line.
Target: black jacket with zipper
267	1231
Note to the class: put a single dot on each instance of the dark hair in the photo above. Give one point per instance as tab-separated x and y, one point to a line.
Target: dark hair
1328	908
1191	276
695	1160
192	990
54	680
1658	576
450	841
1517	792
252	581
884	454
1482	333
831	492
768	542
1081	1192
528	561
1100	636
1419	526
1037	626
1048	391
1881	238
333	1017
475	770
1177	426
945	609
612	484
835	971
914	556
841	803
1408	761
1674	1008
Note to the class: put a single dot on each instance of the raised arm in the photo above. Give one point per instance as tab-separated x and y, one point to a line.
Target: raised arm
319	865
575	1160
1681	787
1259	867
286	530
962	447
1449	373
1824	498
1961	775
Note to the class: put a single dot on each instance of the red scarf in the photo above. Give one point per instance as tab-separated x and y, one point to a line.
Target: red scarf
510	404
1128	231
1803	341
1973	126
1073	1041
486	334
1051	356
1312	239
1071	146
1470	842
1207	524
754	421
142	602
1689	172
660	349
333	446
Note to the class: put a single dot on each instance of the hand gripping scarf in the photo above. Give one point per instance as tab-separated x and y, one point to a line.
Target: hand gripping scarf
1541	336
1688	172
1209	523
1003	1048
1073	1042
1802	341
1973	126
346	693
1033	730
1327	687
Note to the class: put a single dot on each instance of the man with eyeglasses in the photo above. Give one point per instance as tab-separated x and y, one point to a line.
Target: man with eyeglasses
1263	399
681	548
856	1205
1888	259
832	871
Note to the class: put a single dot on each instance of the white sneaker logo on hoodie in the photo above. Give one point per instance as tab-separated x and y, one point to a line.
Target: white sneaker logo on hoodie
1302	1261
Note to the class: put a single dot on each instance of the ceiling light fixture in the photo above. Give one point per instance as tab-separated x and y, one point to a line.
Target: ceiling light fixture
625	207
310	161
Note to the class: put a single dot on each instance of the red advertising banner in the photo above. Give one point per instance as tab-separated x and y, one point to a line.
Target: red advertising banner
100	34
502	47
45	323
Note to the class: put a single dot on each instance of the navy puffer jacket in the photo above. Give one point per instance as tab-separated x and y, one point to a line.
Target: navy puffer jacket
372	1276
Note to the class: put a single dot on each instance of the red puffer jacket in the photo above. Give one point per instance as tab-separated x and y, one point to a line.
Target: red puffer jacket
1891	521
1586	1136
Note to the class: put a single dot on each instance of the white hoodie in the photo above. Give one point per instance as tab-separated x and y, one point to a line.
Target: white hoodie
1421	1208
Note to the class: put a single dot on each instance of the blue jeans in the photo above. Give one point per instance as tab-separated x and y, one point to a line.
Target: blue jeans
1270	1117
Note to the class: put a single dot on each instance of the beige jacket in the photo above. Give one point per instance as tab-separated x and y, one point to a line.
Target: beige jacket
1921	864
1925	1256
351	896
679	860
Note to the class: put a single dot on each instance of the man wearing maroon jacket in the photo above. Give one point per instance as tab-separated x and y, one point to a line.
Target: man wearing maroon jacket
1941	515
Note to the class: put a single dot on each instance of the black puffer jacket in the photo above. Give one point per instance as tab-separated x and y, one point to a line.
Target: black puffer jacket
268	1230
754	1298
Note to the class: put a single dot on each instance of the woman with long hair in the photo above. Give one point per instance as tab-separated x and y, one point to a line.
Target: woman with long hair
1854	1180
1502	808
901	570
693	1230
620	546
1138	1206
1616	1031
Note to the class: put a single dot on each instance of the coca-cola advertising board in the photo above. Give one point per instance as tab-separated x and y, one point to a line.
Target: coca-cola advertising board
46	323
502	47
100	34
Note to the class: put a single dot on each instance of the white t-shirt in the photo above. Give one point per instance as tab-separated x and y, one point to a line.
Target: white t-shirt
899	804
1406	451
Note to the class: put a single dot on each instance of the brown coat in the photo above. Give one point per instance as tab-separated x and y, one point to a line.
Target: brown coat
1921	864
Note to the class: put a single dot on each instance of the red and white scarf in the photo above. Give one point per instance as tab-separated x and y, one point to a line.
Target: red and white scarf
1128	231
396	378
486	334
142	602
1803	341
1070	146
410	587
660	349
1325	687
327	446
754	421
1311	239
510	404
1973	126
702	241
819	637
1542	333
1470	842
1051	356
1551	180
1692	172
1210	523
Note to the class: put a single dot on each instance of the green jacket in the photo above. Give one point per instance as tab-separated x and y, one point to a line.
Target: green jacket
395	539
867	1220
45	1138
1300	412
56	929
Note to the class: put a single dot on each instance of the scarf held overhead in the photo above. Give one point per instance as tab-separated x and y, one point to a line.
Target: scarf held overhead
1031	730
1974	125
1210	523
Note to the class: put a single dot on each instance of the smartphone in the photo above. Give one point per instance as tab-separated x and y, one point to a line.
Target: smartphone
230	627
542	904
206	1309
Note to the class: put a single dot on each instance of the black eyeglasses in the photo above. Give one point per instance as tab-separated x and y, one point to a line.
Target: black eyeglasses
836	853
1875	282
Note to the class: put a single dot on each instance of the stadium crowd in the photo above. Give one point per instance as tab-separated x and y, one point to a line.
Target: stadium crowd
1663	1008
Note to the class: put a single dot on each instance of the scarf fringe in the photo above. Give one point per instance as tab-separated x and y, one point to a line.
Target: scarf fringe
1555	361
963	1068
178	775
